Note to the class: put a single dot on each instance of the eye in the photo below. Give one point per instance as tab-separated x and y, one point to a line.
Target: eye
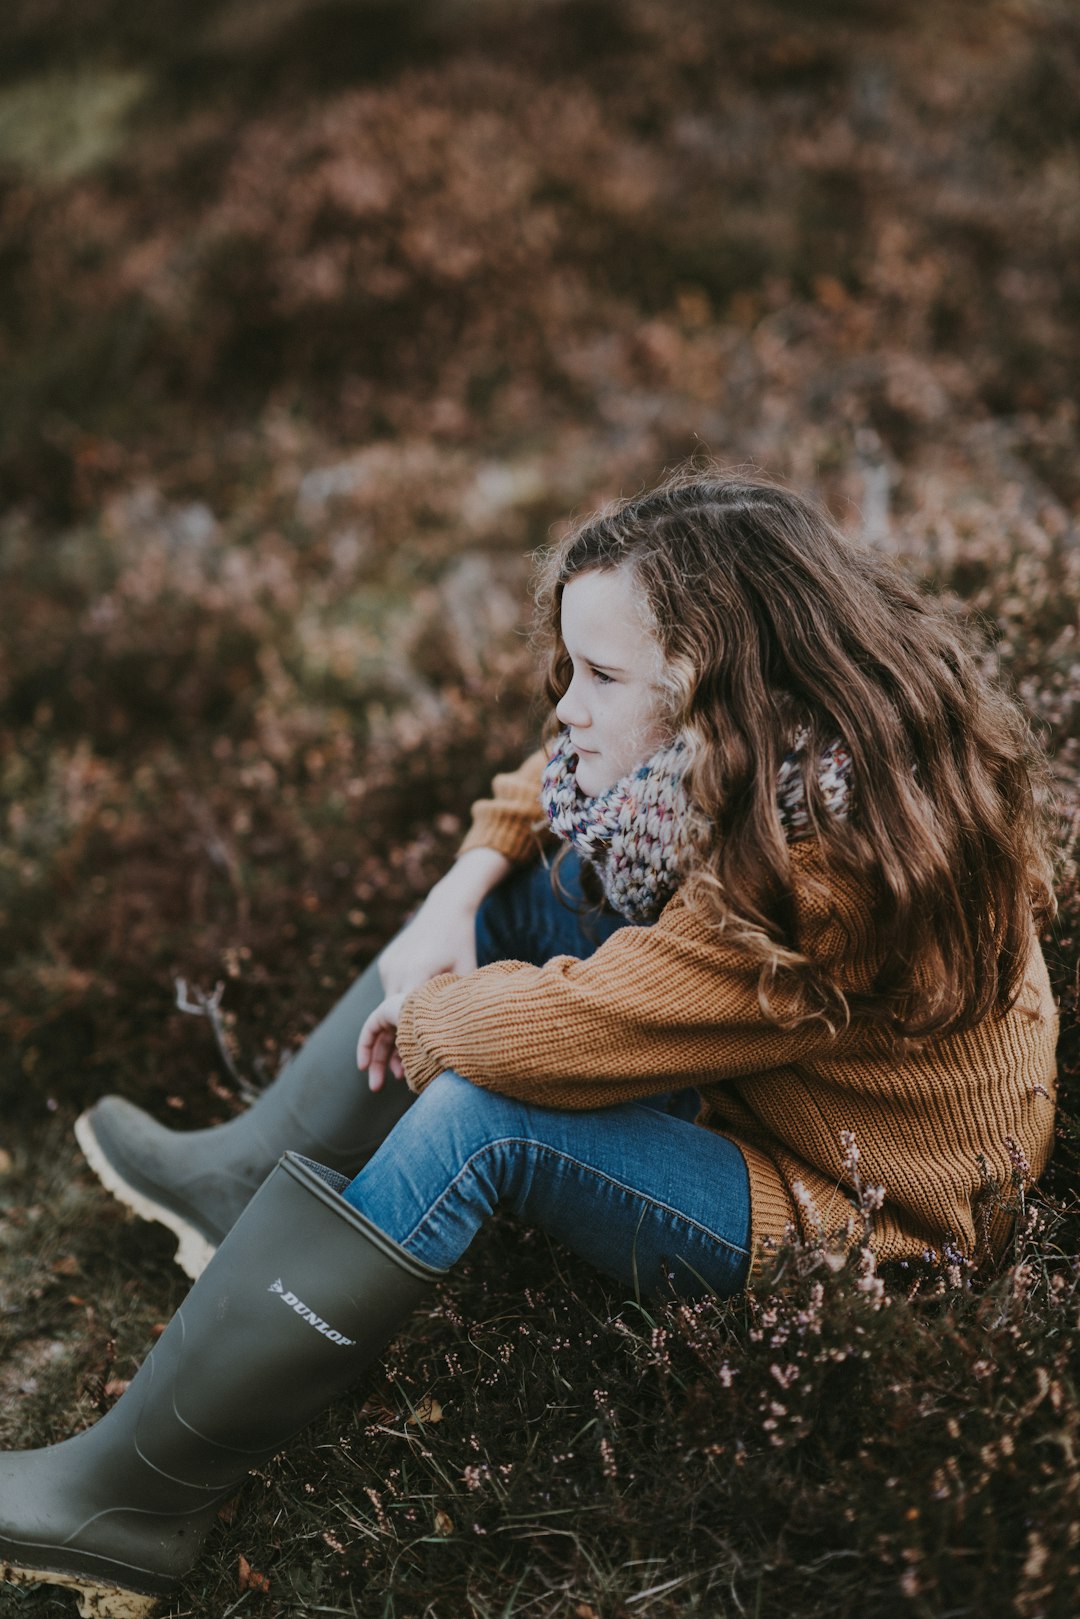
603	679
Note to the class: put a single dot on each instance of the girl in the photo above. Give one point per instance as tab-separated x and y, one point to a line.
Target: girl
798	868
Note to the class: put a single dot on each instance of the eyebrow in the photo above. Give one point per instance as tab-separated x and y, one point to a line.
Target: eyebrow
605	668
594	663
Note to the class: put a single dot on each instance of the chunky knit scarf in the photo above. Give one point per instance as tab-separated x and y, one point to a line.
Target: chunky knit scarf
636	834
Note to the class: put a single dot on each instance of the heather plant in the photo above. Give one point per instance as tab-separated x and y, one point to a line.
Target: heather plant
303	356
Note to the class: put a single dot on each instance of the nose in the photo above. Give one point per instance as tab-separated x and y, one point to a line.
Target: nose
570	710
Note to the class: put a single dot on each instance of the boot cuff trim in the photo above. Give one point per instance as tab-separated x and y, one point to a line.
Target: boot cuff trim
327	1185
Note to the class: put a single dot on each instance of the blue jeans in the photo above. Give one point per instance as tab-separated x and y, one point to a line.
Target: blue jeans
536	914
636	1189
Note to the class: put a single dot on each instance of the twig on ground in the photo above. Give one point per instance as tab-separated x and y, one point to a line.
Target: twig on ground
199	1004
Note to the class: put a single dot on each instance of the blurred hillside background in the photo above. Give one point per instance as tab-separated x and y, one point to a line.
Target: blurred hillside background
317	317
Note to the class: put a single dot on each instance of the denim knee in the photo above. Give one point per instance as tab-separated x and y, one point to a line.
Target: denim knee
466	1150
452	1108
444	1094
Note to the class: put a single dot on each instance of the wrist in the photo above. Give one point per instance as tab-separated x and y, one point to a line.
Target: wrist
472	877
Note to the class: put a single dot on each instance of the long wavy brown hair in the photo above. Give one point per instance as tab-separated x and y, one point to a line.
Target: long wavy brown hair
768	618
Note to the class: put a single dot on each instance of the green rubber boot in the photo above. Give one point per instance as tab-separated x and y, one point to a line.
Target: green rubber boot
302	1295
198	1182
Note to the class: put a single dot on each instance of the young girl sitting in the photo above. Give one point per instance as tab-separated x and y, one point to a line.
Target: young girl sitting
775	877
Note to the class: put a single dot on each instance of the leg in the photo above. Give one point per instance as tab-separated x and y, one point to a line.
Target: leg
302	1295
630	1189
537	913
197	1182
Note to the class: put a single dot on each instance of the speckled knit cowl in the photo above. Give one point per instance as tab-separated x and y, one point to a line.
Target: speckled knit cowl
636	833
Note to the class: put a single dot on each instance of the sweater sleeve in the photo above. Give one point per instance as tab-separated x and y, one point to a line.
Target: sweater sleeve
512	820
667	1005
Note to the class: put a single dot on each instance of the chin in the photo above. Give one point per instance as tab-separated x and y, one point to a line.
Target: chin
591	780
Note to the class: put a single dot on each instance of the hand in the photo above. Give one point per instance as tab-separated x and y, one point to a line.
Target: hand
441	938
376	1049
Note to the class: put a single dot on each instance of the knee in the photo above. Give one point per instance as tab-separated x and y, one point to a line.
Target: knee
467	1119
447	1093
452	1098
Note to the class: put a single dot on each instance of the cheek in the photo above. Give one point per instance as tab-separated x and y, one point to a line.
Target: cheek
635	735
646	723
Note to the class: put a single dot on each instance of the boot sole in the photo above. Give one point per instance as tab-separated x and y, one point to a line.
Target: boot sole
97	1599
194	1252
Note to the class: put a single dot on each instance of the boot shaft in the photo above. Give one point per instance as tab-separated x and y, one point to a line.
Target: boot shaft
301	1297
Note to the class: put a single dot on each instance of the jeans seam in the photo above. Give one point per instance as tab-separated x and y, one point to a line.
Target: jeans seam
555	1152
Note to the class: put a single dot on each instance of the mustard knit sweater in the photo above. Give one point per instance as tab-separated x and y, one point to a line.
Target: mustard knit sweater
672	1005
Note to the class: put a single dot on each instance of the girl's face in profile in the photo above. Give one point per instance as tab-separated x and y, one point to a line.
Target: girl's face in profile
613	706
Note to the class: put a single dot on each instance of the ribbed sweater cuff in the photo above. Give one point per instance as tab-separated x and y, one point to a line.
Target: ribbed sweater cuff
420	1066
503	830
772	1208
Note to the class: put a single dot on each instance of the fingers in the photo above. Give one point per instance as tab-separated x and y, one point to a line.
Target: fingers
376	1048
369	1054
375	1055
385	1056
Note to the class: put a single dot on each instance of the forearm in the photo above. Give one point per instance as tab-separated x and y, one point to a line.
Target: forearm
440	938
670	1000
473	875
442	935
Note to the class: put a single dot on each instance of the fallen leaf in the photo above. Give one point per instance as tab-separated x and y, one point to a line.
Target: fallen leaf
585	1610
427	1410
249	1579
444	1524
66	1265
116	1386
6	1161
